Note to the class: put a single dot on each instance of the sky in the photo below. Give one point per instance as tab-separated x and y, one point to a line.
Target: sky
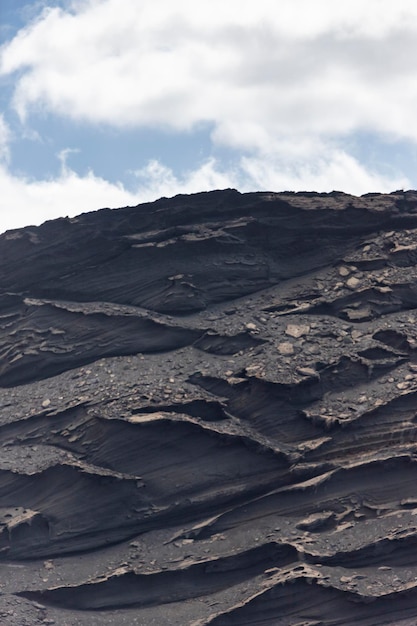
110	103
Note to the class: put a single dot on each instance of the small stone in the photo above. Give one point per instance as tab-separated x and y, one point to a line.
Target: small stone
251	326
362	399
344	271
353	282
228	373
286	348
403	385
46	403
297	330
359	314
307	371
312	348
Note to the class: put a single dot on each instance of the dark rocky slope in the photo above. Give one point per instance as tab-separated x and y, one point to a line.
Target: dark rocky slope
208	413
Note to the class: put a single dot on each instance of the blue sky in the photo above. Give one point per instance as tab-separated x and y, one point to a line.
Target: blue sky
117	102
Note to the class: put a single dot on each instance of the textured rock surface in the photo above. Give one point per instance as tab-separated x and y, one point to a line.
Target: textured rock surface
208	413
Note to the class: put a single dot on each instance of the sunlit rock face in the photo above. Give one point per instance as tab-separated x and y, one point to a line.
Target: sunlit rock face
208	413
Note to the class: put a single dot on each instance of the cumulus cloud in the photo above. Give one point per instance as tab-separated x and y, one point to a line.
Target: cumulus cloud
283	83
156	179
301	67
24	201
27	201
331	169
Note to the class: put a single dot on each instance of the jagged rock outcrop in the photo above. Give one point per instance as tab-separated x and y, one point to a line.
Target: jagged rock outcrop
208	413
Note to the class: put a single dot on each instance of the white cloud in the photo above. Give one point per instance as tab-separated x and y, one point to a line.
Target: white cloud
286	82
332	169
299	66
156	180
5	136
27	201
24	201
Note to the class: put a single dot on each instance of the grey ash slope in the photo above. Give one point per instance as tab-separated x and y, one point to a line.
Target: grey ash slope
208	413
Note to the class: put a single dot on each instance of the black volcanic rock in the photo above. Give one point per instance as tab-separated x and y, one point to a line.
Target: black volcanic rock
208	413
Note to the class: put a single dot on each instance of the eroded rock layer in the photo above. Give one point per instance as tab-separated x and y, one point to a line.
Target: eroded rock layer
208	413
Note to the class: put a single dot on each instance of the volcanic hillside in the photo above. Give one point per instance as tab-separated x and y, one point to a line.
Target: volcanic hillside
208	413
